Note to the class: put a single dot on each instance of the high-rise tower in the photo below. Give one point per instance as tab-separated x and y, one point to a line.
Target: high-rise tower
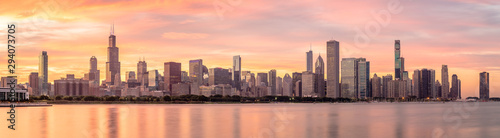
94	73
309	56
43	73
272	82
332	69
397	60
445	88
113	64
236	75
320	76
484	86
142	72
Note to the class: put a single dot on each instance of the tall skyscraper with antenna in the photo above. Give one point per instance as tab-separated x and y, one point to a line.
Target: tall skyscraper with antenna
113	64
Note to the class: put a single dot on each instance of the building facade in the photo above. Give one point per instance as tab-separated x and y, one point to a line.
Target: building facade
332	67
113	63
484	86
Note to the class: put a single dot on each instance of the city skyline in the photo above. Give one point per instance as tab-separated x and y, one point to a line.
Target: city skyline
462	55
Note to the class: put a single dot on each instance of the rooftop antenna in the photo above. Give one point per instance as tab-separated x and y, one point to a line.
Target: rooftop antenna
310	47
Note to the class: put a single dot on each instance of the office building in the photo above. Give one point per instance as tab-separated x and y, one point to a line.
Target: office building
320	77
43	74
272	82
113	63
172	74
332	67
236	75
484	86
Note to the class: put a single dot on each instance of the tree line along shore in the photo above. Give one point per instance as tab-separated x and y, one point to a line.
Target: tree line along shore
214	99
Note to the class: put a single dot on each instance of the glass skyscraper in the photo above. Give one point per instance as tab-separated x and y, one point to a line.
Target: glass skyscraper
397	60
236	75
196	75
43	73
363	78
349	78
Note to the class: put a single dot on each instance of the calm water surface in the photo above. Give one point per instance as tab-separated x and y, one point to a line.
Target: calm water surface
377	120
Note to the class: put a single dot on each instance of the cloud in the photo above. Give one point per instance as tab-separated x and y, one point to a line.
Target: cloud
179	35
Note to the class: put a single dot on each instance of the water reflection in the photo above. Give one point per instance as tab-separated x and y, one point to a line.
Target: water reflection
408	120
113	125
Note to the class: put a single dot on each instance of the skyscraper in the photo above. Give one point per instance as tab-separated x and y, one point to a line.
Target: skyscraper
196	75
455	87
33	81
433	84
172	74
376	86
43	74
219	76
244	76
113	64
438	88
272	81
320	77
154	79
142	72
445	87
459	89
385	85
262	79
287	85
130	75
416	83
94	73
426	83
236	75
308	84
309	60
349	78
484	86
279	86
332	67
297	90
397	60
363	78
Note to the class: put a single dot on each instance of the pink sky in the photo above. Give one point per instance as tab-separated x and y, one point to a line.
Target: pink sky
268	35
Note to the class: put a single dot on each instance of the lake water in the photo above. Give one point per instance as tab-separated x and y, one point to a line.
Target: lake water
377	120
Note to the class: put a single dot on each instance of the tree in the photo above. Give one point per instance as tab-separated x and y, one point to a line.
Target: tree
59	97
167	98
69	98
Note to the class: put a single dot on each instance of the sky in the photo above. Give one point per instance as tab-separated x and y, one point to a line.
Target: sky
462	34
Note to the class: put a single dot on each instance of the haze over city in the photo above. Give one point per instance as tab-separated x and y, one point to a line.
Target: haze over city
267	34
